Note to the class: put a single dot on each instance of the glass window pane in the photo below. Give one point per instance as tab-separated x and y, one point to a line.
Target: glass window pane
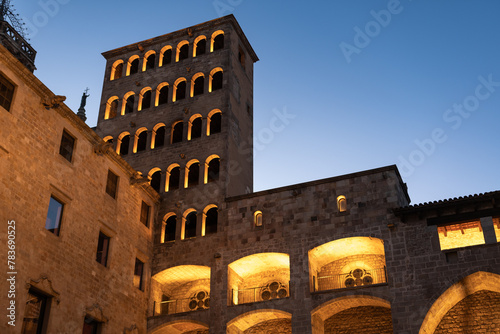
54	214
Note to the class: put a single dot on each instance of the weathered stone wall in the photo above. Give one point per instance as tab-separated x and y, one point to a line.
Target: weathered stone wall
278	326
362	319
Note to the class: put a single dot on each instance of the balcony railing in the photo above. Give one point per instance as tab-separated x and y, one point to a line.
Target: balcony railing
353	279
274	290
17	45
199	302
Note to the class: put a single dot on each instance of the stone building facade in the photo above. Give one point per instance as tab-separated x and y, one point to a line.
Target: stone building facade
339	255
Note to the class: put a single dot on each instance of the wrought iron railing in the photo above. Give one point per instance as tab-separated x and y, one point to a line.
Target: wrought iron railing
355	278
274	290
199	301
17	45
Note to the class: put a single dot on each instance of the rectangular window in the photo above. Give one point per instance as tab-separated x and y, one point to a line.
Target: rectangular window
461	235
67	146
145	209
91	326
102	249
6	92
54	216
112	184
34	313
138	274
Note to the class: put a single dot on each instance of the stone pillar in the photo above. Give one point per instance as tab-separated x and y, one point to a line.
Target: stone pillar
488	230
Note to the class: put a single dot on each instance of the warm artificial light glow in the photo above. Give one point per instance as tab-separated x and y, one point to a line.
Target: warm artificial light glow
461	235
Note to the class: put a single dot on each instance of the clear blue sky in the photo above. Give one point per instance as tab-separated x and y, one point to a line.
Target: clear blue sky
370	83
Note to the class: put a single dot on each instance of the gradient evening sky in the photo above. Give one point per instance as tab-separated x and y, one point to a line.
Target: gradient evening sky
399	87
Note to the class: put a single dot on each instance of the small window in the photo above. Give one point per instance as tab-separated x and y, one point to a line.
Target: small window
258	218
150	63
124	144
170	228
91	326
163	98
142	140
129	104
213	170
160	137
112	184
241	57
146	100
134	66
174	179
54	216
35	311
190	227
215	123
145	211
138	274
211	221
199	83
217	79
180	91
6	92
196	125
102	249
341	203
219	42
193	174
177	132
156	181
184	52
167	57
67	146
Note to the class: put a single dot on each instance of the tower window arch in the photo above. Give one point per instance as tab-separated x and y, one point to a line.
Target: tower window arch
341	203
195	124
257	218
210	220
189	224
117	70
133	65
158	137
216	79
177	132
214	122
162	94
141	140
182	50
179	89
173	177
123	143
108	139
111	108
155	179
217	42
200	46
145	99
165	55
192	174
169	227
128	103
197	84
212	169
149	61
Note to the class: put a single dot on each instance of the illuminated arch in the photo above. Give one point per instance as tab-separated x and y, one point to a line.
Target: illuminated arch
161	96
216	79
200	45
191	326
180	87
197	84
212	168
457	292
111	107
173	177
192	174
168	232
158	135
149	60
165	55
273	317
209	220
133	65
177	132
145	98
328	309
194	127
341	203
215	43
140	140
108	139
128	103
257	218
254	273
123	140
214	121
189	224
339	257
154	177
182	51
116	70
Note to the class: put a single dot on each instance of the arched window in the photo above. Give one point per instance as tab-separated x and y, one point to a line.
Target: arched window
117	70
217	40
111	108
145	99
212	168
200	46
257	218
155	176
162	94
179	89
182	50
123	143
173	177
177	132
195	124
214	122
216	78
170	227
158	136
192	174
190	225
108	139
197	84
133	65
211	218
128	106
341	203
141	140
165	55
149	61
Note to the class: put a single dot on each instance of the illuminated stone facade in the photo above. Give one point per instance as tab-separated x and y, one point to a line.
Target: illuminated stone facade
337	255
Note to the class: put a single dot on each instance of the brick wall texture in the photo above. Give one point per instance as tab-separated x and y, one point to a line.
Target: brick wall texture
362	319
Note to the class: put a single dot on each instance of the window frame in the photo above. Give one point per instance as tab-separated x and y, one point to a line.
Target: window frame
144	219
12	93
43	315
140	284
69	154
57	230
104	253
113	193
